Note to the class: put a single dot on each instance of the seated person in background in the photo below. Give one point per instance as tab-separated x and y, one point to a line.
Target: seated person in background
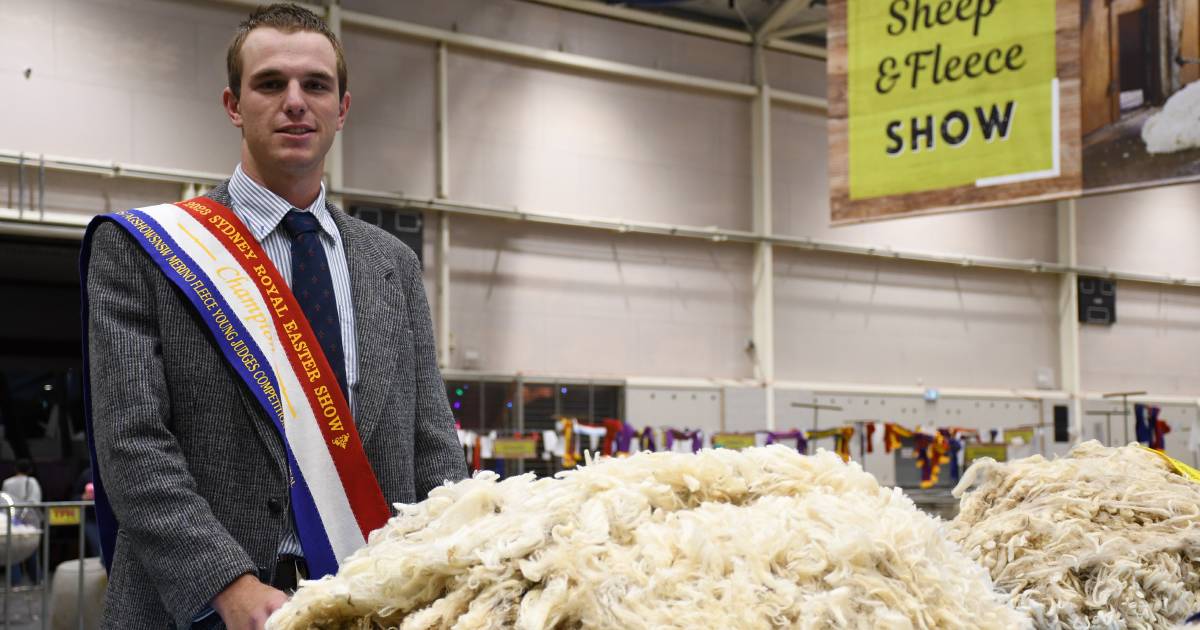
23	487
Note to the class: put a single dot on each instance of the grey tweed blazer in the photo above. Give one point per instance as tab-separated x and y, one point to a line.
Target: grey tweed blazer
194	469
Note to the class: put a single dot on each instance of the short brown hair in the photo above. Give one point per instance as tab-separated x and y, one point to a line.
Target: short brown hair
289	18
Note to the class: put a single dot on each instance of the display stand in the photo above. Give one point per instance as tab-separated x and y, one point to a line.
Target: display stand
1124	396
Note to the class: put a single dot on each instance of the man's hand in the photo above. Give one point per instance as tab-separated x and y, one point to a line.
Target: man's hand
246	603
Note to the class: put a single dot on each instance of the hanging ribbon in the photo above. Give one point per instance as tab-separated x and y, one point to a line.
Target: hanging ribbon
795	434
696	436
931	455
892	434
1159	430
569	458
841	442
841	439
625	437
1142	428
646	440
953	446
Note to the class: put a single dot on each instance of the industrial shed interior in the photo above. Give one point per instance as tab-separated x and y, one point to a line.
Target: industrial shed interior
623	215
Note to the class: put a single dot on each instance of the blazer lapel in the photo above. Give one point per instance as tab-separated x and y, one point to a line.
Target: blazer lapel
378	303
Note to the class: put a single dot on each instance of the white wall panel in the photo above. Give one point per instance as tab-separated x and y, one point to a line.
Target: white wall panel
845	319
47	115
389	137
184	133
562	300
538	138
119	80
794	73
745	409
1152	347
676	408
801	205
1152	231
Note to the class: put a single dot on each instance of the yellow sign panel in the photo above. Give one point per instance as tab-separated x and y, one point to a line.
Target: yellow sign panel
946	93
972	452
514	448
1011	435
64	516
736	441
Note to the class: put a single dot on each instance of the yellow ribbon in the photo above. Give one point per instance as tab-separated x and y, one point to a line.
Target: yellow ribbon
1180	467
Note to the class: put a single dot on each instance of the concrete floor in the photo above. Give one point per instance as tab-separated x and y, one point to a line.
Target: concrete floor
1116	156
24	607
24	610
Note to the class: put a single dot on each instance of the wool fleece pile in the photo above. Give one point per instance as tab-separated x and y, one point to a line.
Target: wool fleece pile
1102	538
762	538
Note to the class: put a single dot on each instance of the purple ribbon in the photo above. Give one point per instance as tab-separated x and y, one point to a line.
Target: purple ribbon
625	438
646	441
795	434
697	437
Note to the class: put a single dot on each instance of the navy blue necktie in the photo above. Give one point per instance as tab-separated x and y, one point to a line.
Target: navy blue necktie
313	287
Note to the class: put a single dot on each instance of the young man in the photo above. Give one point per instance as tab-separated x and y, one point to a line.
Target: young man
197	371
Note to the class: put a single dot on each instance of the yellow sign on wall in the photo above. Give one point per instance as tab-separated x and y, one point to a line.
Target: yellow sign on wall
948	93
942	104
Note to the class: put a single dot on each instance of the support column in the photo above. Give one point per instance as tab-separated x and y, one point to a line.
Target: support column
334	173
764	259
1068	320
442	298
443	192
442	123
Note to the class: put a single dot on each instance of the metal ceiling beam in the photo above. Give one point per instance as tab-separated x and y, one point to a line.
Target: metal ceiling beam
685	26
799	100
803	29
650	19
782	13
806	50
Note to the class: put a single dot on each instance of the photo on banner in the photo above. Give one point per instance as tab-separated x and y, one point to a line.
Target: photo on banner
1140	66
941	105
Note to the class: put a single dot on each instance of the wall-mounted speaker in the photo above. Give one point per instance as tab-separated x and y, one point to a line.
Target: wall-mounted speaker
1097	300
406	225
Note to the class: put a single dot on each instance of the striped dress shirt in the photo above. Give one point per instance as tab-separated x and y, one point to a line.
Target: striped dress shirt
262	211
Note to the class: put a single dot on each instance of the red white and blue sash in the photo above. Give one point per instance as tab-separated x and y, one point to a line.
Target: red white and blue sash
209	254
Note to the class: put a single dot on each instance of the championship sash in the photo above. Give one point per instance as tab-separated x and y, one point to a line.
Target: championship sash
211	257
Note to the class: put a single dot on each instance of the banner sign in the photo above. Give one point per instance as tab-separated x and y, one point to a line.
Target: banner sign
1025	435
972	452
735	441
515	448
938	105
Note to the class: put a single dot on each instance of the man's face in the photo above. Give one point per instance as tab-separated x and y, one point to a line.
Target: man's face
289	109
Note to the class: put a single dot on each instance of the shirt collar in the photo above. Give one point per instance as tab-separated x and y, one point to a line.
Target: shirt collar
262	210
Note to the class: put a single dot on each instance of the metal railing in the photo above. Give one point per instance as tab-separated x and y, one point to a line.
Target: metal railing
24	521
